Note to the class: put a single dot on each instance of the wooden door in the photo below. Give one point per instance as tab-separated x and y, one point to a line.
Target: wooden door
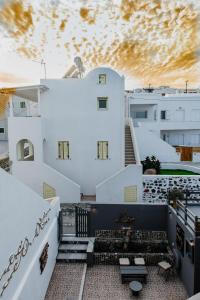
186	153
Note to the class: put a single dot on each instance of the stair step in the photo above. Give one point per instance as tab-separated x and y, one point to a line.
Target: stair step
72	257
76	240
73	248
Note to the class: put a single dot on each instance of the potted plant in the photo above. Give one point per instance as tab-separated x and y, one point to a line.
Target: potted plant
151	163
174	195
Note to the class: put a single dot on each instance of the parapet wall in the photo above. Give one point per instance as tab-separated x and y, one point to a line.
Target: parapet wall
155	187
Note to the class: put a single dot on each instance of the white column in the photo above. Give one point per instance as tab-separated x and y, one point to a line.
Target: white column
39	108
11	114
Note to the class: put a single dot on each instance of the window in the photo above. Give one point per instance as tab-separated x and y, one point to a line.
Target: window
102	103
22	104
25	150
63	150
163	114
102	150
140	114
130	194
2	130
102	78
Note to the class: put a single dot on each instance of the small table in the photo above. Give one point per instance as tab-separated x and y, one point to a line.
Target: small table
135	287
133	273
139	261
124	262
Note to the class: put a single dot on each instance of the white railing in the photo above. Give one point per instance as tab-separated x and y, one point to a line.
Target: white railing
129	122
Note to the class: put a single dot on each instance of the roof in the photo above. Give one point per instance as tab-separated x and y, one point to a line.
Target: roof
28	92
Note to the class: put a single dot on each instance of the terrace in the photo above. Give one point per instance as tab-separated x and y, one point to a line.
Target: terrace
96	274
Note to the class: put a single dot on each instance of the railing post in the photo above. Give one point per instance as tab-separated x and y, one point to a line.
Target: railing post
185	216
197	226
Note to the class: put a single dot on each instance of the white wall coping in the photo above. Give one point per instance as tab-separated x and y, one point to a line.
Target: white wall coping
134	141
114	175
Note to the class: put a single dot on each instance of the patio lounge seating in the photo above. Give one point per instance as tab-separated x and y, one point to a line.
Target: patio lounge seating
165	267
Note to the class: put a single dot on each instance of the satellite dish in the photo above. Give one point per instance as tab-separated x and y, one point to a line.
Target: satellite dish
79	64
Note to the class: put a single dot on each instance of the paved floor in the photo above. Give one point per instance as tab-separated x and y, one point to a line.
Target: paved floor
65	282
104	283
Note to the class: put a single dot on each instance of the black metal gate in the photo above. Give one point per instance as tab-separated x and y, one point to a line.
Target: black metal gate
82	218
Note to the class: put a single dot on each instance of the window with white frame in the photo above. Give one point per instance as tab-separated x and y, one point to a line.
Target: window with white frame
63	150
102	150
102	78
2	130
102	103
22	104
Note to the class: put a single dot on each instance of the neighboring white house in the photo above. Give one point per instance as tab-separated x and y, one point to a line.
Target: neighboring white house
167	125
75	144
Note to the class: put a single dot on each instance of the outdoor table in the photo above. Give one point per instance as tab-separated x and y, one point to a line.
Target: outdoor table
130	273
135	287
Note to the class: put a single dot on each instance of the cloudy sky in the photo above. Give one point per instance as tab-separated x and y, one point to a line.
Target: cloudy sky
149	41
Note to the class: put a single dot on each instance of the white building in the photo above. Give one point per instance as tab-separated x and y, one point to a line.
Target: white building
28	224
167	125
79	142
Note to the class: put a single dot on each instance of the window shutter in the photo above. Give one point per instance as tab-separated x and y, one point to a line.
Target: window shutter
98	150
48	191
105	150
65	150
59	150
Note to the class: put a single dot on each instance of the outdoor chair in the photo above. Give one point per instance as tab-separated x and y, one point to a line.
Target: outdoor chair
166	268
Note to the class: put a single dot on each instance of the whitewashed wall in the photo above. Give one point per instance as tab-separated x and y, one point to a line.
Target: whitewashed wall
20	210
35	174
149	144
112	189
69	112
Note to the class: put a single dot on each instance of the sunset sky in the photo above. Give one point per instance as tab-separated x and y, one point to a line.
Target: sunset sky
148	41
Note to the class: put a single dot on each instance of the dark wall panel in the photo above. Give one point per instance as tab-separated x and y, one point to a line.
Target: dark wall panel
147	217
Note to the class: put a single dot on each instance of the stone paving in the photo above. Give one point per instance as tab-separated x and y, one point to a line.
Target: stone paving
65	282
104	283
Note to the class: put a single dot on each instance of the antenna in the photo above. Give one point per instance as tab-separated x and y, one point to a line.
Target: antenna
43	64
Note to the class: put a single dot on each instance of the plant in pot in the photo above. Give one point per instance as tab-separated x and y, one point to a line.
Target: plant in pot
174	195
151	164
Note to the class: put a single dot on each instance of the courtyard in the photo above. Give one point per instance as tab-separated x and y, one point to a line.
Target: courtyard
103	282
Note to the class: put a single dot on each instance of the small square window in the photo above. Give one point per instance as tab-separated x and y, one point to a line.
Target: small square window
2	130
22	104
102	103
102	78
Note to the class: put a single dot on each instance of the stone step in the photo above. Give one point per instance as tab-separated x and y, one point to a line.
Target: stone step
73	248
71	257
76	240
